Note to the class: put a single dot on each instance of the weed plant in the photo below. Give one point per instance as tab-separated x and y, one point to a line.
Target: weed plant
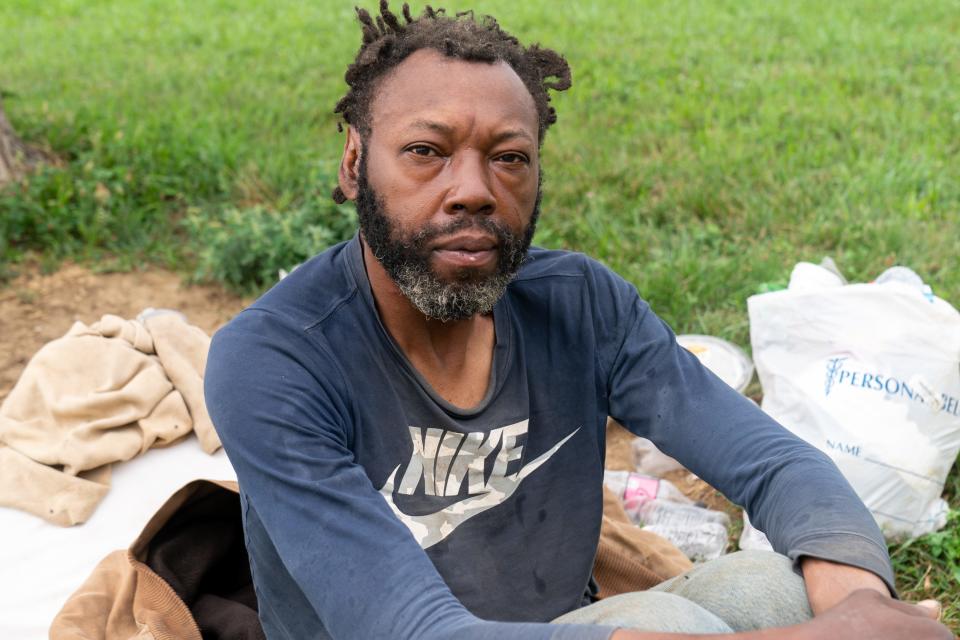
705	148
247	248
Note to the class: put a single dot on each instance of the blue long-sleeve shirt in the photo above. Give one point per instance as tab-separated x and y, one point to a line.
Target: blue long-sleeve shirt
375	509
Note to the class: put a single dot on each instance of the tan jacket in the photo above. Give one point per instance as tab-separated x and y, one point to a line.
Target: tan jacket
100	394
124	598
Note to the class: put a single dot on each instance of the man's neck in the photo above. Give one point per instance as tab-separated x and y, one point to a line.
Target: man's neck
454	357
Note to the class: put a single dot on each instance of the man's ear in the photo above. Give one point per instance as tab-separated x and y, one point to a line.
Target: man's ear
350	164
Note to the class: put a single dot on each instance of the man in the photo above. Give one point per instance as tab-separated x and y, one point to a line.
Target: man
416	416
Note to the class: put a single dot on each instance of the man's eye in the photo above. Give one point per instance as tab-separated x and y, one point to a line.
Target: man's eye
513	158
422	150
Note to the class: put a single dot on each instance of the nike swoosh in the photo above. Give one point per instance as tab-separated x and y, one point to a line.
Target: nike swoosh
431	528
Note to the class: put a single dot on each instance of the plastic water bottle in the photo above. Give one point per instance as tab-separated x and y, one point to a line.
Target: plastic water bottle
706	541
657	505
636	488
700	533
678	516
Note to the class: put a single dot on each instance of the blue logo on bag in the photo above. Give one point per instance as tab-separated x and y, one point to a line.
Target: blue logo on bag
890	386
834	366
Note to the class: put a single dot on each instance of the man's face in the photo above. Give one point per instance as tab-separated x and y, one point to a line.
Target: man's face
448	186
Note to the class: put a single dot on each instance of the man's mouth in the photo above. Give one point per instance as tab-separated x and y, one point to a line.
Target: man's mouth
467	250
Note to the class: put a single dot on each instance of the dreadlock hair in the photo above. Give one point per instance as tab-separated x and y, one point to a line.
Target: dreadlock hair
388	39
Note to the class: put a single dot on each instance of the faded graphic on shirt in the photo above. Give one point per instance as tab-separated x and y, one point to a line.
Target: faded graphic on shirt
445	460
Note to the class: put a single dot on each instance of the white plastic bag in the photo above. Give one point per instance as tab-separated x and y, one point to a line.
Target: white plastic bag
870	374
650	460
753	538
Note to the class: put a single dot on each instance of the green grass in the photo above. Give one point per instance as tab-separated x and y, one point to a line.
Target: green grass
929	567
704	148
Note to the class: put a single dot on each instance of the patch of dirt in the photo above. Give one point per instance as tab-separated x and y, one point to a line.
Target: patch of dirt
36	308
699	491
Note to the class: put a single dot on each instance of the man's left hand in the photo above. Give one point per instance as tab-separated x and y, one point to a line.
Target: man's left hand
829	582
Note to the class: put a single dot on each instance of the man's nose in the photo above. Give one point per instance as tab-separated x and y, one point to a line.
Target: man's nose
470	187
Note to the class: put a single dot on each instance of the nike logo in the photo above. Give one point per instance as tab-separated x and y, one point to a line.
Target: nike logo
445	460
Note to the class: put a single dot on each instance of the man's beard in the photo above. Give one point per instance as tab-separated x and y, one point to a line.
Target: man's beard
406	257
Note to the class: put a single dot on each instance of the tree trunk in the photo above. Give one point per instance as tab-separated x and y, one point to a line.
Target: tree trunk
16	157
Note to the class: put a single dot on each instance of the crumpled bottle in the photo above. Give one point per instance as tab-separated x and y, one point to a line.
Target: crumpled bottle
700	533
634	488
657	505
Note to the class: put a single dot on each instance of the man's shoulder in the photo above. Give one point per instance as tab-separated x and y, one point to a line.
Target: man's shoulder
556	263
563	287
309	294
575	273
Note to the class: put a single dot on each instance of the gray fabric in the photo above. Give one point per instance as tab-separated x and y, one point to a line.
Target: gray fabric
743	591
648	611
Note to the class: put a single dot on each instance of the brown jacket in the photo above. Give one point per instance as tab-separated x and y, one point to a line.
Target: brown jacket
179	577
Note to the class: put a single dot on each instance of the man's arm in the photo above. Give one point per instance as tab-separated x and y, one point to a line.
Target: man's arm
828	583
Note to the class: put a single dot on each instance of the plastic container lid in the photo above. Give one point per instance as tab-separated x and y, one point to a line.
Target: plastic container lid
725	359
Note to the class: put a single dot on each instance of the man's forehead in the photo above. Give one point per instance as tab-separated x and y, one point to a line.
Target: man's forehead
429	90
504	132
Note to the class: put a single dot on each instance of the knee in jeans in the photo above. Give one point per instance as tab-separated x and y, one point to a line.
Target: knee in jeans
748	590
655	611
764	563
